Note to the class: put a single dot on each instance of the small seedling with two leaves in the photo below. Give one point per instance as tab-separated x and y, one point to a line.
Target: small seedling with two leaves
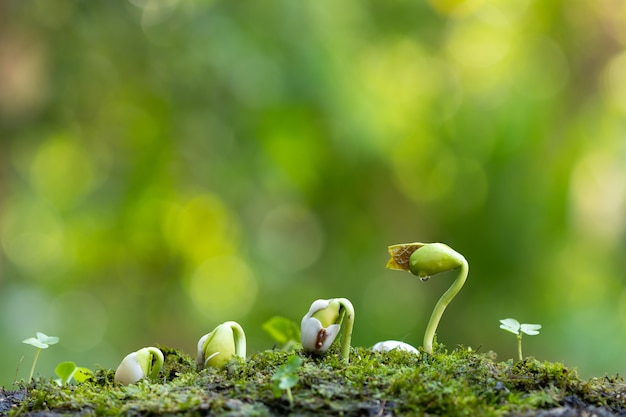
42	341
286	377
514	326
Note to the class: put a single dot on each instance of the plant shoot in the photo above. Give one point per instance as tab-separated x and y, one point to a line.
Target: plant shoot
514	326
42	341
426	260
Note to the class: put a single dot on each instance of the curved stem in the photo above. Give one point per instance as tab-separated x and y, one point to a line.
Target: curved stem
441	305
240	339
519	346
346	337
155	367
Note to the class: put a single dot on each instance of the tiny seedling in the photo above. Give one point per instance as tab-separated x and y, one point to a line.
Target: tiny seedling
66	371
286	377
42	341
426	260
284	331
321	325
226	341
144	363
514	326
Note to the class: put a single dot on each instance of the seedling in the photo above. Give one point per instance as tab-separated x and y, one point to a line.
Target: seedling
321	325
145	363
66	371
284	331
286	377
514	326
226	341
426	260
42	341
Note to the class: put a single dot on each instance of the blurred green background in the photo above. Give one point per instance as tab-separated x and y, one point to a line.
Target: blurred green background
170	165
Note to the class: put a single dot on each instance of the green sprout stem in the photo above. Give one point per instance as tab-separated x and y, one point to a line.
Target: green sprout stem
32	368
441	305
240	339
156	362
289	397
519	346
346	337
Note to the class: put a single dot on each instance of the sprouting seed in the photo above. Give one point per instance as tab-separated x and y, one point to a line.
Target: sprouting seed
425	260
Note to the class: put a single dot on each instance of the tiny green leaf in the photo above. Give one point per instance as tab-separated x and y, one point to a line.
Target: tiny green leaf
293	364
65	370
530	329
282	329
82	374
288	381
49	340
510	325
35	342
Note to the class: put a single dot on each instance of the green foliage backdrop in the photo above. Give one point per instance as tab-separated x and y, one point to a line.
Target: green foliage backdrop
170	165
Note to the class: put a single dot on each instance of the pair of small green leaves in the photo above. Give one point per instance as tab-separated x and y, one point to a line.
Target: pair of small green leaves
42	341
66	371
286	377
514	326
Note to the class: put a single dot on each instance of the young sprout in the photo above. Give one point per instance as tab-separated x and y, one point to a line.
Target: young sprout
389	345
215	349
286	377
425	260
42	341
514	326
320	326
146	362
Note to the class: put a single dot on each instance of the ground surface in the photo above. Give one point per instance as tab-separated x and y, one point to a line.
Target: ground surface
450	383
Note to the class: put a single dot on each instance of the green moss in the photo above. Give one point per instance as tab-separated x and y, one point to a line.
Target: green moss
457	383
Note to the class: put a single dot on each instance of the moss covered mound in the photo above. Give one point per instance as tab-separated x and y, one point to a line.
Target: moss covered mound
457	383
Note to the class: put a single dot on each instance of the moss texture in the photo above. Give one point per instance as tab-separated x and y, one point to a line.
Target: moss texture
457	383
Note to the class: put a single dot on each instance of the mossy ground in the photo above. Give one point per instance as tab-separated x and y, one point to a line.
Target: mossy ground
456	383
